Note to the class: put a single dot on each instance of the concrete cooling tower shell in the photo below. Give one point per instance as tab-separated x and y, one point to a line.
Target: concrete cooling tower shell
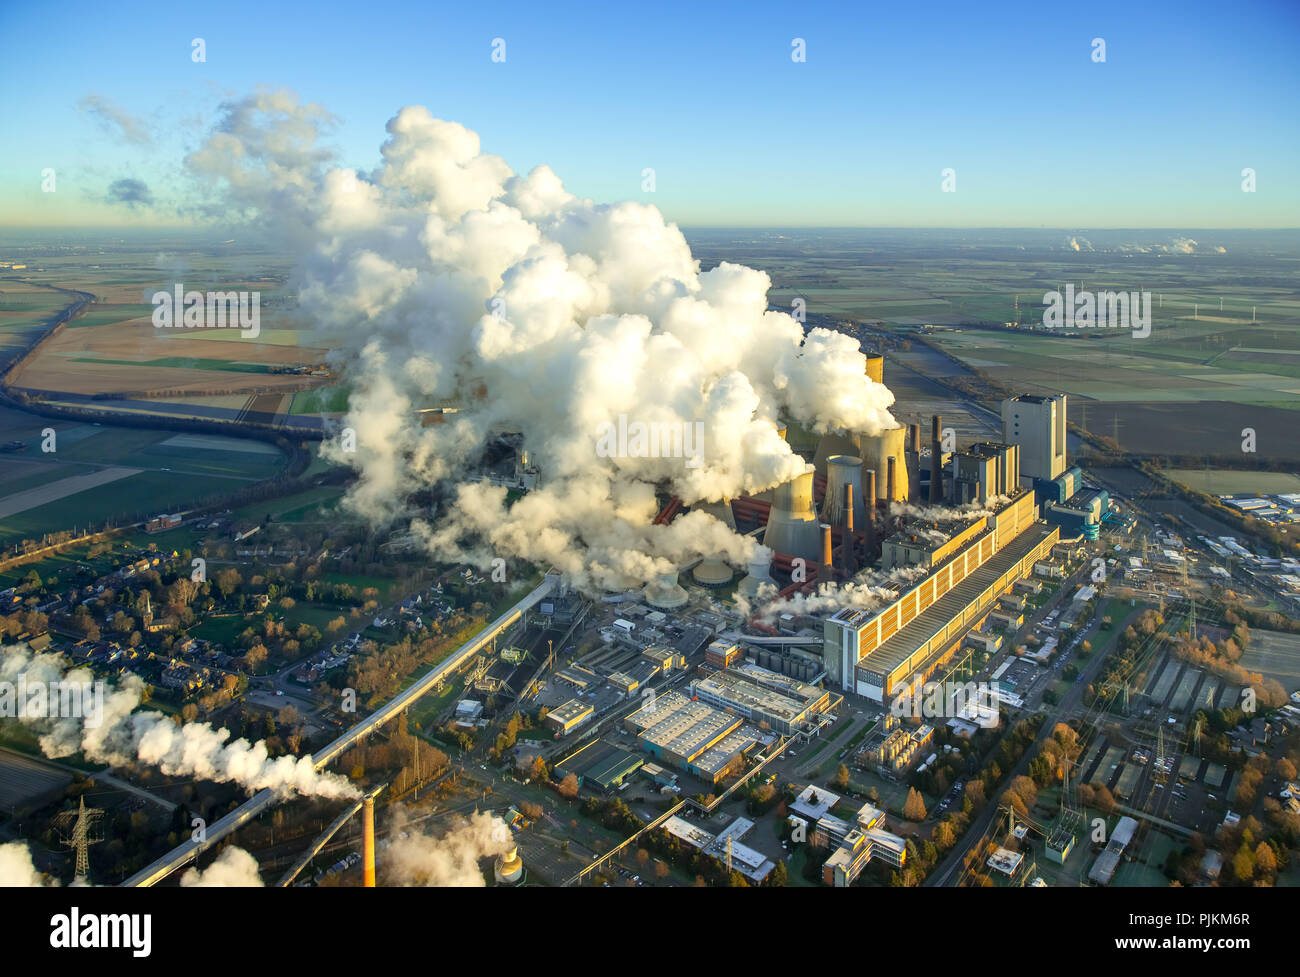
841	471
876	452
835	444
720	511
876	368
713	572
792	525
666	593
757	576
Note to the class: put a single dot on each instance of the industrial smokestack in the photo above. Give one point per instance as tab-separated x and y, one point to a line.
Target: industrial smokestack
849	501
368	841
936	459
828	557
914	462
891	481
870	525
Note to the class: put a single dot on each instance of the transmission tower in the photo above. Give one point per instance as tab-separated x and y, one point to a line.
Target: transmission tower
79	830
1160	775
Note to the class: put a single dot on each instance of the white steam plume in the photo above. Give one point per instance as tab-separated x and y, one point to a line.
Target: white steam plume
122	736
234	867
16	868
443	275
417	859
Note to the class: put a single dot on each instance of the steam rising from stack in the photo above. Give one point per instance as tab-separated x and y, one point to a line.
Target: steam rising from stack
417	859
441	272
122	736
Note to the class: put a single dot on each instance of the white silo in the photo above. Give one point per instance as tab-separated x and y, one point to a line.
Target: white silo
792	524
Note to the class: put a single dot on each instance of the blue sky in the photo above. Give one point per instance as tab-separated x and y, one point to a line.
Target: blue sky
1007	95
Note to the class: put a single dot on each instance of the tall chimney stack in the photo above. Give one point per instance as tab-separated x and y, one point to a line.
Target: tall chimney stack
848	510
849	554
368	841
828	569
936	460
870	527
914	438
889	484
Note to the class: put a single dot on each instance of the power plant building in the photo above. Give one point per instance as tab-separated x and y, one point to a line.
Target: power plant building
878	652
1038	425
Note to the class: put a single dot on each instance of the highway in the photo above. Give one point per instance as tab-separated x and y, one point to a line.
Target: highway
263	800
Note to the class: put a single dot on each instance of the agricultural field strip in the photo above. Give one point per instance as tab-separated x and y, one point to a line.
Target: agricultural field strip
30	499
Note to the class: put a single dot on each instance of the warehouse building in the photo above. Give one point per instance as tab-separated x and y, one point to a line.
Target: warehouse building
758	701
691	736
599	765
567	717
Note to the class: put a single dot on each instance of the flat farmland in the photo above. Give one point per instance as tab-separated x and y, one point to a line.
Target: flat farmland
1227	482
97	474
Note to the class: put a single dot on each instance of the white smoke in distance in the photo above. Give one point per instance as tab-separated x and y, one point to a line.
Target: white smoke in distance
234	867
443	276
415	858
122	736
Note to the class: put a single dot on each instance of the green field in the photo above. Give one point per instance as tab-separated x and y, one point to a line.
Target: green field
1227	482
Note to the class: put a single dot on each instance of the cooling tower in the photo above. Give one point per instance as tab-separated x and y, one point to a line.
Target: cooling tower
876	452
758	574
509	868
792	523
718	510
665	592
834	444
876	368
843	474
713	572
